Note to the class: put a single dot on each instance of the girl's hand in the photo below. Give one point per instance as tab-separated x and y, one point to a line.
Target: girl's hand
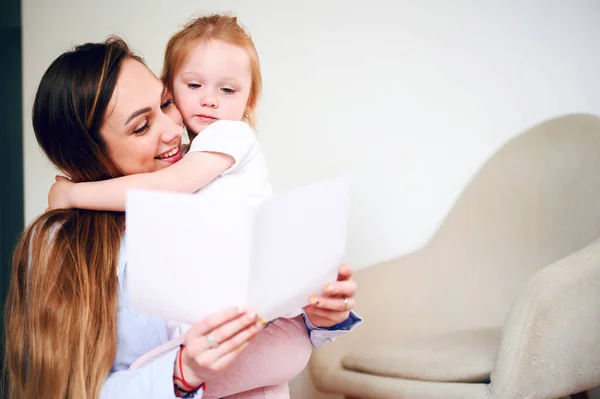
334	306
59	196
213	343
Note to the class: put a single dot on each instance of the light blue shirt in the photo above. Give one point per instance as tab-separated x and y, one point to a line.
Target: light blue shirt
138	334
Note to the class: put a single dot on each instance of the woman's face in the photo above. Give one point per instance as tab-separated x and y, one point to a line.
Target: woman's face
142	128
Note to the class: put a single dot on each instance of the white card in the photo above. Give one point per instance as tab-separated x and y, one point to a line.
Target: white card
188	257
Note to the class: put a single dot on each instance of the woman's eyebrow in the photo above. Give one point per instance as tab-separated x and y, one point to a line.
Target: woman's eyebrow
138	112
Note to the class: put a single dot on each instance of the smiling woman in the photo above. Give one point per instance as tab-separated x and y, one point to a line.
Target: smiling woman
141	137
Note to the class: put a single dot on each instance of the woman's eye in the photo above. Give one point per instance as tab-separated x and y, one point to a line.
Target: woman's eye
227	90
194	85
166	104
142	129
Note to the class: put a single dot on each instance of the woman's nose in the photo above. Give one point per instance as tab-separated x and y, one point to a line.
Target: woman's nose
172	127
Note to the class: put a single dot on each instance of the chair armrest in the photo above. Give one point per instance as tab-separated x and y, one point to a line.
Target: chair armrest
551	341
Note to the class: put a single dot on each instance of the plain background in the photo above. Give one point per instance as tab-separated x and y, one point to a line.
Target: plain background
408	97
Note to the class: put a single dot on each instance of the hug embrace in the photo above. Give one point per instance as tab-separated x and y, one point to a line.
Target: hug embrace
110	125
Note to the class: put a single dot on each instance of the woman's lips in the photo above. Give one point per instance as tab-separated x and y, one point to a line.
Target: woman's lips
173	157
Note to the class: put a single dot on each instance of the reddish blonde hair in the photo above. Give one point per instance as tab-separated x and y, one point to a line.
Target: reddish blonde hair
213	27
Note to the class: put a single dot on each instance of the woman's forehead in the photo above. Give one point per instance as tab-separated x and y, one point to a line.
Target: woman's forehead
137	87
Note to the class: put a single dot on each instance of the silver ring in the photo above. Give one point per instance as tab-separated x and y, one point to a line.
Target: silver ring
346	304
212	342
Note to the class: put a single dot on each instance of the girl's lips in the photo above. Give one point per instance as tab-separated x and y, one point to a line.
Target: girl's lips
206	118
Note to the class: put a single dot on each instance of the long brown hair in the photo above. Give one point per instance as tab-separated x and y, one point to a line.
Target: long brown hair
213	27
60	313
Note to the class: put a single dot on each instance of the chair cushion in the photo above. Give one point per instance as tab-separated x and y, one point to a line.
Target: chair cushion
463	356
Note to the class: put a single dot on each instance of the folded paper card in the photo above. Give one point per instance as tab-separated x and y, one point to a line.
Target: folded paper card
188	256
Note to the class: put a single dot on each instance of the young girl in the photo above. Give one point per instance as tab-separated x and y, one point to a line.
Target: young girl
212	70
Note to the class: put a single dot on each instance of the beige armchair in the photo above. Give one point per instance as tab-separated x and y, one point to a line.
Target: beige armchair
504	301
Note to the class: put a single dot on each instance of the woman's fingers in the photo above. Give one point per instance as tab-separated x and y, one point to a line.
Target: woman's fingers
209	357
341	288
224	361
326	317
325	313
215	320
222	331
333	303
345	272
238	340
232	329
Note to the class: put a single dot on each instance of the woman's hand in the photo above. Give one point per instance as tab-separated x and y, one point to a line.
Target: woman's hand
334	306
59	196
213	343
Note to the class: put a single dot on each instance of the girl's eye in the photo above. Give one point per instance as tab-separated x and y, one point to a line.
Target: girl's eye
227	90
142	129
166	104
194	85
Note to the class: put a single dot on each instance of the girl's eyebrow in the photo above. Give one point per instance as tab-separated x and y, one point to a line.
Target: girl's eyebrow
184	74
232	79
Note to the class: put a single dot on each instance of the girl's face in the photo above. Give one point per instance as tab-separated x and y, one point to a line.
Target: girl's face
142	129
213	83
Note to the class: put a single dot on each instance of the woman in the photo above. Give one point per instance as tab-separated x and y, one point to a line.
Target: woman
67	316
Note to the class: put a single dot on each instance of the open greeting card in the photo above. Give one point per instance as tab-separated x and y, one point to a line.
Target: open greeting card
188	256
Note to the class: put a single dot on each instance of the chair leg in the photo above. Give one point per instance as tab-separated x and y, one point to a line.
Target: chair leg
580	395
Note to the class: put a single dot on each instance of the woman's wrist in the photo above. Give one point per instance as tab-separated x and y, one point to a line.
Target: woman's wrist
184	380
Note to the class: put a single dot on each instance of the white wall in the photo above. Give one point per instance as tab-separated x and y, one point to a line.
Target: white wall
410	97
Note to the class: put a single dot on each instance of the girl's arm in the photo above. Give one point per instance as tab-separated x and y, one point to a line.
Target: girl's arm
193	172
222	145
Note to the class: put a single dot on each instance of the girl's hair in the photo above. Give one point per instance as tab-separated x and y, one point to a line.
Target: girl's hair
60	313
213	27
